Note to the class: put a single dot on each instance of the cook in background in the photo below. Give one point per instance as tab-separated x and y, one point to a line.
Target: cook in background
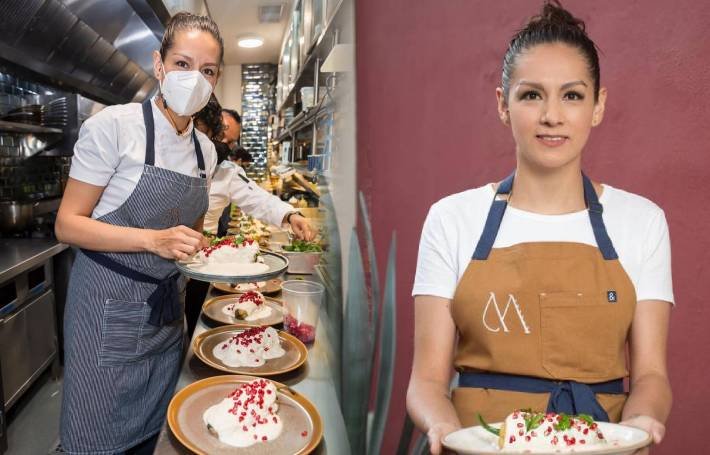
232	127
134	202
534	288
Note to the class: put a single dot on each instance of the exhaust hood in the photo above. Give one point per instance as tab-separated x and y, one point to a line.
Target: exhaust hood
99	48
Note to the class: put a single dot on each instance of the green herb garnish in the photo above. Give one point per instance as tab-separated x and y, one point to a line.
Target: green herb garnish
301	246
487	427
533	420
565	423
589	420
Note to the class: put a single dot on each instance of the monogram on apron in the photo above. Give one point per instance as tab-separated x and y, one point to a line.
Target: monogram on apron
542	325
123	321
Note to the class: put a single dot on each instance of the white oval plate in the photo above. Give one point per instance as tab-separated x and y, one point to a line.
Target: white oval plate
622	440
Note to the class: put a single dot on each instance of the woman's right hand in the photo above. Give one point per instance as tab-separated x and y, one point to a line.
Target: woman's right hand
177	242
436	433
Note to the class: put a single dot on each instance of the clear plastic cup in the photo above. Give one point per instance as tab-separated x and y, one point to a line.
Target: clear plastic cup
302	300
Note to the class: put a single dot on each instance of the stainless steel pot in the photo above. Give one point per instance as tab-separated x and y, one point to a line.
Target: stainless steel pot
16	216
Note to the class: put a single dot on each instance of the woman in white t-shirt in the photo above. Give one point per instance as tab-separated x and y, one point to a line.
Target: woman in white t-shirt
134	203
533	287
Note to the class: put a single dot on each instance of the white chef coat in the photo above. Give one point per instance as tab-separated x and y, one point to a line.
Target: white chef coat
229	186
110	152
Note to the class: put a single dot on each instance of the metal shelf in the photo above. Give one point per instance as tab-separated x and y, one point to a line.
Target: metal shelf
319	50
303	120
14	127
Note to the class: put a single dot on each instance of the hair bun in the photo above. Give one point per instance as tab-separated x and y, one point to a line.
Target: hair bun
554	14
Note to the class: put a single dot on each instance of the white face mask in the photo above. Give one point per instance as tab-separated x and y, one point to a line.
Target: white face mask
185	92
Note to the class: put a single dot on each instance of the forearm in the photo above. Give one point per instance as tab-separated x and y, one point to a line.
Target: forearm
91	234
651	396
428	403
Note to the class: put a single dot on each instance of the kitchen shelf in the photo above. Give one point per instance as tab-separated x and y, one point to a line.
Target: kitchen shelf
320	51
303	120
14	127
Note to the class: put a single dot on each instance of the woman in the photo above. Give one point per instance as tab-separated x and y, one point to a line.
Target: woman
134	203
531	292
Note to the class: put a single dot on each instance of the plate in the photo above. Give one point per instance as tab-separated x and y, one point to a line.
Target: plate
212	308
299	415
622	440
271	287
294	357
277	264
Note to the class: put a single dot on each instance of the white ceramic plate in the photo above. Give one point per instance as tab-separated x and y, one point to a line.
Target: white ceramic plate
621	439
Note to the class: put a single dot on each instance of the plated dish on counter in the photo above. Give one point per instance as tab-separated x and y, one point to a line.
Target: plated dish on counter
233	259
525	431
259	351
251	308
265	287
244	414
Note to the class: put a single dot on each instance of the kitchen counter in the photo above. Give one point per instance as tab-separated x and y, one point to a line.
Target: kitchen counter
314	380
19	255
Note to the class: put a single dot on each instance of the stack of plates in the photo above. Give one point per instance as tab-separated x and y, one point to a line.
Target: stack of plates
54	114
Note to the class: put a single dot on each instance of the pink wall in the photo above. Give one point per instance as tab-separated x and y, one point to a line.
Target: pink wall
427	127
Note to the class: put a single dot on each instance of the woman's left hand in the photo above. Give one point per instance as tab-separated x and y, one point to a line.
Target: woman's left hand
655	428
301	227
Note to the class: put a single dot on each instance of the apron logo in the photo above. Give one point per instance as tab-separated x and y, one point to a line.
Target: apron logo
611	296
501	316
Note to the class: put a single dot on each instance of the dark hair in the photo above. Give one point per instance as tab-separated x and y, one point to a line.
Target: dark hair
554	25
235	115
211	116
222	150
188	21
240	153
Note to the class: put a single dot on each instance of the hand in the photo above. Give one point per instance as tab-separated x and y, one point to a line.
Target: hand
436	433
177	242
301	227
655	428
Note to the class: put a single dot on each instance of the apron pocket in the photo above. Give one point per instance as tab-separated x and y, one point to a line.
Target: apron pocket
573	338
126	335
120	331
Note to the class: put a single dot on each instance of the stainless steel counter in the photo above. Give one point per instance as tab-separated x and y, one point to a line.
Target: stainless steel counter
314	380
18	255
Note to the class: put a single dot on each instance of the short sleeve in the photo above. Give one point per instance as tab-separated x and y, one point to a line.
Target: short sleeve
436	263
655	280
96	155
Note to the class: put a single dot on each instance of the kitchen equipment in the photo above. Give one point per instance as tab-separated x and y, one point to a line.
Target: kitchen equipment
28	337
16	216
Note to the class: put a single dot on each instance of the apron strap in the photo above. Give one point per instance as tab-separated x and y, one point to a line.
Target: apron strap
595	210
150	139
569	397
495	217
164	302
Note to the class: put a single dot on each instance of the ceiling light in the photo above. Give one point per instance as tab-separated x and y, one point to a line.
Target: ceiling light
250	41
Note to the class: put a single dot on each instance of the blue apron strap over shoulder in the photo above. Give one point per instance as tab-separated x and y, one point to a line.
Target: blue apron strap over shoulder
569	397
497	210
495	217
150	139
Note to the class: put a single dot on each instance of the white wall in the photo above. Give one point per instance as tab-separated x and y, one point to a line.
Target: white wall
229	87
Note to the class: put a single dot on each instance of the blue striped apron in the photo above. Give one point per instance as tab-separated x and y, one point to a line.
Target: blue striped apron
123	322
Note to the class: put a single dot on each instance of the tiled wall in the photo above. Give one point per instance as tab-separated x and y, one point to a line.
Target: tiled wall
258	103
32	178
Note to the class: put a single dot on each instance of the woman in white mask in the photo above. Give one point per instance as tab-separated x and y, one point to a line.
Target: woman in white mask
134	202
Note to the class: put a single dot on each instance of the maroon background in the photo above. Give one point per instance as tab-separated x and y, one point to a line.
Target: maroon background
427	127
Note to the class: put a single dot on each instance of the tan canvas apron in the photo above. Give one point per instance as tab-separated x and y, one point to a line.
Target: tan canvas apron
554	315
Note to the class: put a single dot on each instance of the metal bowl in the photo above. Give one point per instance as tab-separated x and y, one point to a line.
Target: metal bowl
16	216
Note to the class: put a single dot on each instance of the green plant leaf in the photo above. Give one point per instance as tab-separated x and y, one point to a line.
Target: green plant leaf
487	427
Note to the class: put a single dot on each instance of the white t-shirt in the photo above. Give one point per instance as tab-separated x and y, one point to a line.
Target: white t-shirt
110	152
228	186
637	228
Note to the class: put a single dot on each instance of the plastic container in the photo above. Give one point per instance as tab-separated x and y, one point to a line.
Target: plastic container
302	301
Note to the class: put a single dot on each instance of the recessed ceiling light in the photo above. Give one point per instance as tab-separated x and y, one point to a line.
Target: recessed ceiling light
250	41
